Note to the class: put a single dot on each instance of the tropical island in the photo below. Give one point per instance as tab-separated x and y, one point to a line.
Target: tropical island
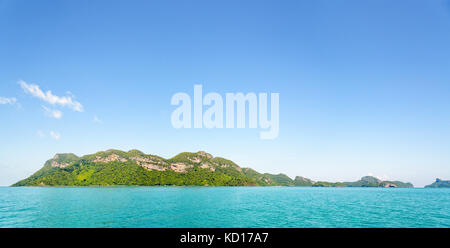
134	168
439	183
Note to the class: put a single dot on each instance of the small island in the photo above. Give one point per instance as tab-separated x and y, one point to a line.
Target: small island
439	184
134	168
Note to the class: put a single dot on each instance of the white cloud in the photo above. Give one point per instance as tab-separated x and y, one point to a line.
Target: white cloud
11	101
40	134
97	120
70	93
55	135
382	178
65	101
54	113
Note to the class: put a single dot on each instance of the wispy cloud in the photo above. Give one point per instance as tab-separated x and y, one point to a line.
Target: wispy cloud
97	120
11	101
54	113
65	101
55	135
40	134
382	178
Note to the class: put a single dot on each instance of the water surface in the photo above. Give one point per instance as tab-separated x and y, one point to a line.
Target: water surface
191	207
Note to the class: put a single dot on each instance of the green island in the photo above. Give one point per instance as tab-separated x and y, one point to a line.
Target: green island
439	184
134	168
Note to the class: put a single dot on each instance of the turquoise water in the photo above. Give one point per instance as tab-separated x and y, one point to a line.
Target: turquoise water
223	207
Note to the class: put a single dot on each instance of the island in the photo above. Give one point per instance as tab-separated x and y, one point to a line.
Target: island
134	168
439	184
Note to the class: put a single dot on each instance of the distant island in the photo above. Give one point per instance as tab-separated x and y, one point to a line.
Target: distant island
134	168
439	184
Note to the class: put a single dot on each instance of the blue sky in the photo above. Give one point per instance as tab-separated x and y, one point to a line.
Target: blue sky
364	85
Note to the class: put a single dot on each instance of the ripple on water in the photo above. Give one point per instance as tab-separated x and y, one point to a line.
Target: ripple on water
223	207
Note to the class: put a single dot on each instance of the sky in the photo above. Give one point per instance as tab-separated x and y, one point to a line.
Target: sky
364	85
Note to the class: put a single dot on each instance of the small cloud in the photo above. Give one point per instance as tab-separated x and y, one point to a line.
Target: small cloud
384	178
54	113
10	101
55	135
70	93
65	101
40	134
97	120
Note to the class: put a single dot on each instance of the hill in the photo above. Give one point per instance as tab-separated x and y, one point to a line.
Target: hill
439	184
134	168
114	167
370	181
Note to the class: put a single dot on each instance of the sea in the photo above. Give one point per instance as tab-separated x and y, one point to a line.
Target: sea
223	207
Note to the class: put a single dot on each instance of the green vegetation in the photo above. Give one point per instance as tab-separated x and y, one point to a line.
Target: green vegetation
439	184
134	168
268	179
370	181
303	182
328	184
114	173
396	183
279	179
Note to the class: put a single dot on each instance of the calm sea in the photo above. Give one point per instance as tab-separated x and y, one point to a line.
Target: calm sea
223	207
